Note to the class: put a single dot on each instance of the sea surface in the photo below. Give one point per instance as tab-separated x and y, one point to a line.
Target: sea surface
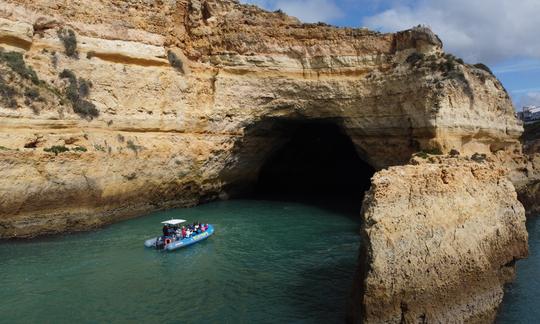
268	262
521	302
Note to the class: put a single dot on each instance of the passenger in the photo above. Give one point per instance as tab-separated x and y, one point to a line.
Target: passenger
183	232
165	230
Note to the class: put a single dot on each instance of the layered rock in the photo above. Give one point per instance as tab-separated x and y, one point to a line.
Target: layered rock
440	240
192	96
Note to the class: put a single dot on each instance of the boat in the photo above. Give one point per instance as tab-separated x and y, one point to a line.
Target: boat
173	242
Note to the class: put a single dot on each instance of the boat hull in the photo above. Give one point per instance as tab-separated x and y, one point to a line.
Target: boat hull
184	242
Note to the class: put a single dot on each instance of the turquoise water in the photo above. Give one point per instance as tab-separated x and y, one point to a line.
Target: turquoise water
522	297
269	262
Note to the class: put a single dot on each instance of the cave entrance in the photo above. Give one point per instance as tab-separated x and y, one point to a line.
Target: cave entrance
313	161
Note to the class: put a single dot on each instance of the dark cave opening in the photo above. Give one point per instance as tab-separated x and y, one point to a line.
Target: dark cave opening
317	162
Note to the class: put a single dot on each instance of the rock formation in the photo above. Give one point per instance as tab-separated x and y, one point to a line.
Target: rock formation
526	170
186	92
110	109
440	242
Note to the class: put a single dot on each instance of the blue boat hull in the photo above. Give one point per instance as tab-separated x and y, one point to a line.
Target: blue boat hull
184	242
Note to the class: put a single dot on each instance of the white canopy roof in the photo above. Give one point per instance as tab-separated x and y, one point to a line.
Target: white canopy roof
173	222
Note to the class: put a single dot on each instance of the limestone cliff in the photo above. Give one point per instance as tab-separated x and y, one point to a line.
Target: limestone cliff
440	240
172	103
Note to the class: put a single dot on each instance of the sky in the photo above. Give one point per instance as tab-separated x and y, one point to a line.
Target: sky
504	34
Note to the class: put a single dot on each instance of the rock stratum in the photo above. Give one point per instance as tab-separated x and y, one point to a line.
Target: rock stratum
110	109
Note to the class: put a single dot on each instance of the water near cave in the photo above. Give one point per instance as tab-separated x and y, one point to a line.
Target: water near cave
277	262
269	262
521	298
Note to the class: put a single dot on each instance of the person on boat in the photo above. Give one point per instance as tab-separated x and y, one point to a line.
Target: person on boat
183	232
165	230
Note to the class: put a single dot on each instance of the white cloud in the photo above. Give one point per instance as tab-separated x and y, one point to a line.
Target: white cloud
477	30
311	10
305	10
520	66
531	98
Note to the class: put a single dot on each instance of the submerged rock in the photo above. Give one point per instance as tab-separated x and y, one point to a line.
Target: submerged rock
440	241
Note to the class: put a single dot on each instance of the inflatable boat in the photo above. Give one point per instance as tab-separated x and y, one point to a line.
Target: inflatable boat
173	242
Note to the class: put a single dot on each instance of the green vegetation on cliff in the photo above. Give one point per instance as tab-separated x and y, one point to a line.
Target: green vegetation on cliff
15	62
76	92
68	38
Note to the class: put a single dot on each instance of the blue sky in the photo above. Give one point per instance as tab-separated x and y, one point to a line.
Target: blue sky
504	34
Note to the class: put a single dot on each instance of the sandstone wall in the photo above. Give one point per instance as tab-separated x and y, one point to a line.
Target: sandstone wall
440	240
177	135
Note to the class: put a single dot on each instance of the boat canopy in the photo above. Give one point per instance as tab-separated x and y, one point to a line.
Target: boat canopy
173	222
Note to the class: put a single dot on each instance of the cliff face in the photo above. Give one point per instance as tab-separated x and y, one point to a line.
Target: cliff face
174	103
440	240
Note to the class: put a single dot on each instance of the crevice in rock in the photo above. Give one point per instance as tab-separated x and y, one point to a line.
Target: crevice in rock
16	42
124	59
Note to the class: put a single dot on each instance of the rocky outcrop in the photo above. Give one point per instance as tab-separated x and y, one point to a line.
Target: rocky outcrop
185	100
525	175
440	240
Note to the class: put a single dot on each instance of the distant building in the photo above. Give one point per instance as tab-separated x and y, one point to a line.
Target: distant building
530	113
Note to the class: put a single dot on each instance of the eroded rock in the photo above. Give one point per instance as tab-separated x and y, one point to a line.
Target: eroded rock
440	241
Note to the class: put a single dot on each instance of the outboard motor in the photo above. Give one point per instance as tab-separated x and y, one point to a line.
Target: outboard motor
160	243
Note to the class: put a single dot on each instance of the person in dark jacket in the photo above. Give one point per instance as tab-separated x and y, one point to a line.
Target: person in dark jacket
165	230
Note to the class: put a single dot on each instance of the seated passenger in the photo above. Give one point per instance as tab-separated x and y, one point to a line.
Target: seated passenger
165	230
